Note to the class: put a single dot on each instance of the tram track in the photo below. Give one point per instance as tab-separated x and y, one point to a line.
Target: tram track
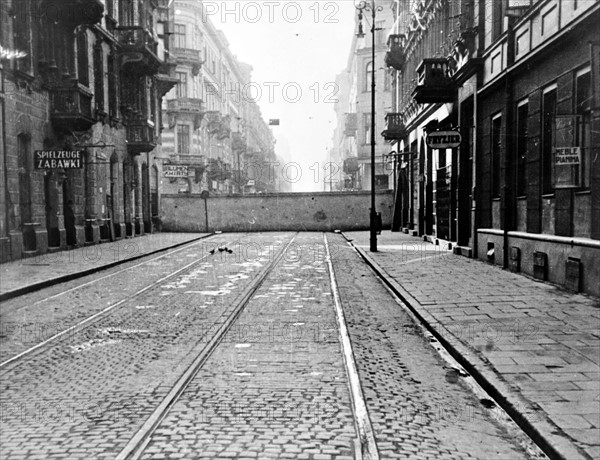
138	442
104	312
148	343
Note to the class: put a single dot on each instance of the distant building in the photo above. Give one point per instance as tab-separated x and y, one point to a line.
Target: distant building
215	138
80	80
352	137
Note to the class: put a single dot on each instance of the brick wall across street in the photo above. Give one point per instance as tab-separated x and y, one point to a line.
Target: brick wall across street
323	211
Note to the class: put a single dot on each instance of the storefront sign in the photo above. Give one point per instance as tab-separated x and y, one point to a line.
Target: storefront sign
443	139
58	159
175	171
567	156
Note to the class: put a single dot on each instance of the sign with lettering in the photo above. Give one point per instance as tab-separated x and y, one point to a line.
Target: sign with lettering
443	139
175	171
567	154
58	159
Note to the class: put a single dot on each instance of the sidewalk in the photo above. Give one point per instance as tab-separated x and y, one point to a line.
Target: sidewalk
533	346
27	275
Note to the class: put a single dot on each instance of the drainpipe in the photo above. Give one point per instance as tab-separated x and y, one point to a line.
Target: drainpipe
4	155
508	143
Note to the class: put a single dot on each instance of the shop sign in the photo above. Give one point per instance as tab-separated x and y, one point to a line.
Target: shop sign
58	159
443	139
175	171
567	154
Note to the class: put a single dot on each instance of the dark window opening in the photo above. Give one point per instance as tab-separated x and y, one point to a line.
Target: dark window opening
521	144
584	132
548	116
496	155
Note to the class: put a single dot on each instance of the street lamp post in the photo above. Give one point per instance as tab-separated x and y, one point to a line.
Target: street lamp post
365	5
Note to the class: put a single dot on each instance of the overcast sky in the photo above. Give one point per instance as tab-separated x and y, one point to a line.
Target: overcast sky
296	50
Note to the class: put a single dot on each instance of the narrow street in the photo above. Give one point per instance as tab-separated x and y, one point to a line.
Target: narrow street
233	347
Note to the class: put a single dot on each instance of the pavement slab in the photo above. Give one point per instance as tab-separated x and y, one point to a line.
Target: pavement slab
523	331
21	275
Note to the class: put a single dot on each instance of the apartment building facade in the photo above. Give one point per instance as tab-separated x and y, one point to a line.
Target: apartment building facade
215	138
495	115
82	84
352	137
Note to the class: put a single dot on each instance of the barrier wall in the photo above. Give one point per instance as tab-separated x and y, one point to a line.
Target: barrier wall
319	211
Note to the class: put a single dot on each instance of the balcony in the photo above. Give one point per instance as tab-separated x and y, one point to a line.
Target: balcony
190	57
185	104
72	12
186	108
351	165
238	142
139	50
71	108
166	78
140	137
395	129
395	56
351	124
434	83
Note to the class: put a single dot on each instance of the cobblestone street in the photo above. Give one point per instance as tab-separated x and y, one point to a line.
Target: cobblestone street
230	347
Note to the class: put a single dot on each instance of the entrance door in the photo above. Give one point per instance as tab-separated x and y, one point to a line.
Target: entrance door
69	213
51	199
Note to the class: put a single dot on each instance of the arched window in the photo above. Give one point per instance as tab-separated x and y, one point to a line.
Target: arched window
368	76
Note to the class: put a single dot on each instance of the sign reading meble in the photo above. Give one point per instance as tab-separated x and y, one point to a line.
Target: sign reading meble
57	159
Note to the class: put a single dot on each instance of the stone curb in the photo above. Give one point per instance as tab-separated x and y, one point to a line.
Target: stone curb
548	436
72	276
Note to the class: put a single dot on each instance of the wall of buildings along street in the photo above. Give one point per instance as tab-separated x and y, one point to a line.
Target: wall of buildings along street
84	77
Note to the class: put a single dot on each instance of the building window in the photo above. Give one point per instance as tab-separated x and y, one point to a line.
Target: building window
548	116
182	85
23	30
386	80
583	88
82	58
368	76
126	13
521	144
380	33
498	8
183	139
99	76
113	85
179	36
367	126
496	155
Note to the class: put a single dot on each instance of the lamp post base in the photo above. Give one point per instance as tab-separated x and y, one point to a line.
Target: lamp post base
373	231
